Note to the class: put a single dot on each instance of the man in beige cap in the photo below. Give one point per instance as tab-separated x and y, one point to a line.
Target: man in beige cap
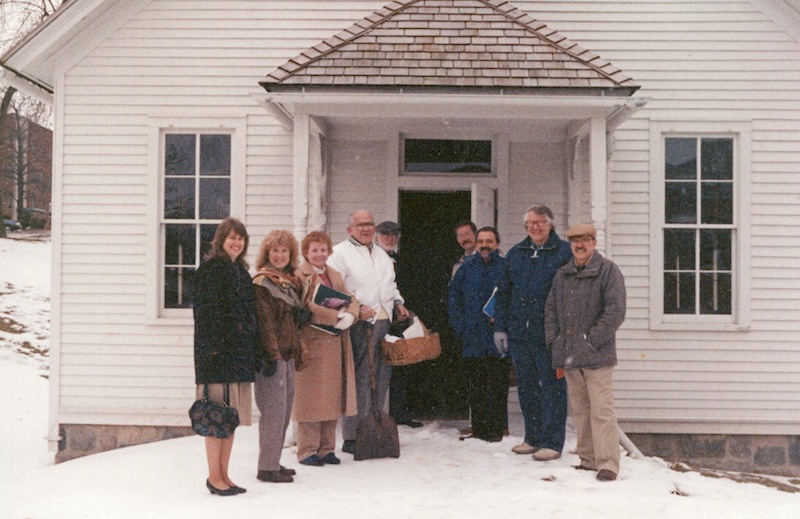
584	309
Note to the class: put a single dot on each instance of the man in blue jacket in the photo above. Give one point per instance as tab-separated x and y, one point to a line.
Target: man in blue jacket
532	264
487	369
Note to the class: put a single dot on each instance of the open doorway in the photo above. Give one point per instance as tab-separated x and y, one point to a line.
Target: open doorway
436	389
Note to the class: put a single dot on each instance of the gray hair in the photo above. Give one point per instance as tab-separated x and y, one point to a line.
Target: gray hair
354	213
541	210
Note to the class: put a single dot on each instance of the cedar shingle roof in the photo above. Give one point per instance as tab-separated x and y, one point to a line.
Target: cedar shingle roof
488	44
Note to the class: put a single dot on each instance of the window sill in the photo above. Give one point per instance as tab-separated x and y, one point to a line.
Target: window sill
171	321
688	326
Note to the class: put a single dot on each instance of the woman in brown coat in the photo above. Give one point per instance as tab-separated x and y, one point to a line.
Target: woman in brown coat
325	387
278	302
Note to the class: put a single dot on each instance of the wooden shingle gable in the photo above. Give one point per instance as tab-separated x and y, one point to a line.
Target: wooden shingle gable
488	44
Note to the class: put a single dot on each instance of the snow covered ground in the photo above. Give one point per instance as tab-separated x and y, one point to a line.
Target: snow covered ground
436	475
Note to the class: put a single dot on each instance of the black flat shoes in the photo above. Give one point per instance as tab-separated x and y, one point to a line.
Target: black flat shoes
232	491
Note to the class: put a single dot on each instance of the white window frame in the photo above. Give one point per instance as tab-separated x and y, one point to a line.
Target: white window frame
741	133
158	127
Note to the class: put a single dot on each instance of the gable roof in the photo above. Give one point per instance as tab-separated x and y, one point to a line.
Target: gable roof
456	44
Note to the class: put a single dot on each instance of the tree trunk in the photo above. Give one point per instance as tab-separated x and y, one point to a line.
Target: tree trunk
3	111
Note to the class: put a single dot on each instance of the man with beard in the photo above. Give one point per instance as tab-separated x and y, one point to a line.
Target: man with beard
387	236
487	368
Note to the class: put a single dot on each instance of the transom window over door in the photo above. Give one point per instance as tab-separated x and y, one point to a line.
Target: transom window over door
699	226
447	156
197	196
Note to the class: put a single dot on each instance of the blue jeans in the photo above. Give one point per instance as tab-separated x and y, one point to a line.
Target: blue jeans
360	333
542	396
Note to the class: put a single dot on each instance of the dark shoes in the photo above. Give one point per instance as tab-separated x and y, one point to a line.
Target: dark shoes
411	423
606	475
330	459
274	476
349	446
491	438
232	491
313	461
288	472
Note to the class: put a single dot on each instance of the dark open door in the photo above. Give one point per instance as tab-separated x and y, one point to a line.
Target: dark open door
437	389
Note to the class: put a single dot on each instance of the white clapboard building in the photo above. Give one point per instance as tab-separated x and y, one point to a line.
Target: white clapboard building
672	126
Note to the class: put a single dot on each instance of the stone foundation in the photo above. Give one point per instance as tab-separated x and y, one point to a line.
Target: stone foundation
82	440
776	455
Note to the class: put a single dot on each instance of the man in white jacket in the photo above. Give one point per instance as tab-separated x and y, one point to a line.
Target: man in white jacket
369	274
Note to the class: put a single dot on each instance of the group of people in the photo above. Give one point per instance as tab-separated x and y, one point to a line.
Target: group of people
555	307
309	363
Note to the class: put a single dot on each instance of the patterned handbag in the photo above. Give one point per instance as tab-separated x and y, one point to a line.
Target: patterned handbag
213	419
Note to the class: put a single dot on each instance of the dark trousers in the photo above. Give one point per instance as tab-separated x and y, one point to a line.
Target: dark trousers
488	394
542	395
398	394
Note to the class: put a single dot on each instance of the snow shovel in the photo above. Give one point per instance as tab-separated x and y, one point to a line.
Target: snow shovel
376	433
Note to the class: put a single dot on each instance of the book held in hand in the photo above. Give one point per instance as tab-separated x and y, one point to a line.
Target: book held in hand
491	304
329	298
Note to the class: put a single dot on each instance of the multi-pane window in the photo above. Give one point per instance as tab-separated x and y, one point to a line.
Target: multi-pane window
197	196
447	156
699	225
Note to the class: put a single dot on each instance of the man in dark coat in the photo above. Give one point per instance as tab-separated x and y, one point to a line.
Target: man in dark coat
487	369
532	264
585	308
387	236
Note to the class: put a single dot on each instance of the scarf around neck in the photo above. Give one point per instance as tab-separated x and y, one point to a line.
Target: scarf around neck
281	285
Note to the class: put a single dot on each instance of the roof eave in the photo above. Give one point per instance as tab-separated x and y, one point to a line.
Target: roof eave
616	91
32	58
451	105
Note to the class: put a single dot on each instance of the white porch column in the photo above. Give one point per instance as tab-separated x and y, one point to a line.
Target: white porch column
599	180
302	146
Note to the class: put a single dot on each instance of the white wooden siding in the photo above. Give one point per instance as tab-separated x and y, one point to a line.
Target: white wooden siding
181	59
698	61
703	61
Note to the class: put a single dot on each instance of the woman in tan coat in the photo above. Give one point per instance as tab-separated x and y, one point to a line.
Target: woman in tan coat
325	387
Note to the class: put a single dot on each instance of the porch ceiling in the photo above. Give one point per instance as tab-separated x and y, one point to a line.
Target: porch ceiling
492	112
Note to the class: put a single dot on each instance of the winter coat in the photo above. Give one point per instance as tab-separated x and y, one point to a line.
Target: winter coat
225	324
523	292
584	311
276	303
325	388
469	291
368	273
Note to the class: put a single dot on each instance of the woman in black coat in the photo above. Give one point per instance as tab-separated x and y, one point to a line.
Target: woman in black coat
225	340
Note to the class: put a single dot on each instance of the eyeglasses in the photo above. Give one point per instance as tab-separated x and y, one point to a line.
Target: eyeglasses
365	225
583	240
537	223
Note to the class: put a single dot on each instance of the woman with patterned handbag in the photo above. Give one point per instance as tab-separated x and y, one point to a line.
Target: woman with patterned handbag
225	340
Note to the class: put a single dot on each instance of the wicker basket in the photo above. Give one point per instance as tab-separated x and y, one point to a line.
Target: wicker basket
411	351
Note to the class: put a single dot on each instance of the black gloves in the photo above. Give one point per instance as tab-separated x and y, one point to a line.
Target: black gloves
268	367
302	316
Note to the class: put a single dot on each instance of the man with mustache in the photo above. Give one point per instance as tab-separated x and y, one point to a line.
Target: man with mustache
465	236
487	368
585	308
